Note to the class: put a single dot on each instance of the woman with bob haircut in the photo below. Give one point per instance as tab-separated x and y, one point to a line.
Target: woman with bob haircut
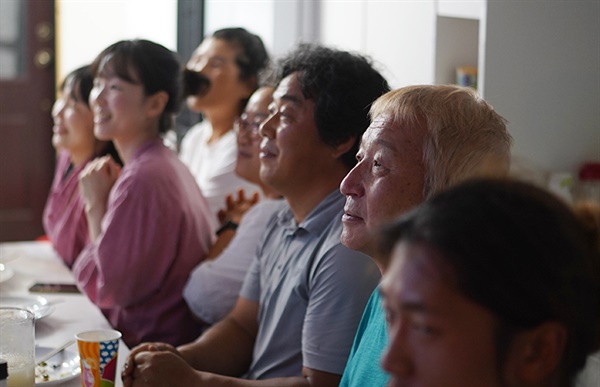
149	223
492	283
64	218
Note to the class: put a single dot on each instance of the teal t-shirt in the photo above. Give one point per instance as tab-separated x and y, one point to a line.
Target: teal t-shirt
364	364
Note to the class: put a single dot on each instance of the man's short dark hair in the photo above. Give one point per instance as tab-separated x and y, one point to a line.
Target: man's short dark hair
342	85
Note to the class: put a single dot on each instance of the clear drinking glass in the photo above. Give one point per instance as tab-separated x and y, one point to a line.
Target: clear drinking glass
17	345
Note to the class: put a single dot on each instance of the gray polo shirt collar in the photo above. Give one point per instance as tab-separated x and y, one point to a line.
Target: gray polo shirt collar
317	219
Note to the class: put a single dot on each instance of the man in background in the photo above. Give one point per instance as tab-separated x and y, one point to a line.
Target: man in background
219	78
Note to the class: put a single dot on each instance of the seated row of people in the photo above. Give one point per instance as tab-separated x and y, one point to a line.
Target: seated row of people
416	146
75	219
227	67
148	224
308	257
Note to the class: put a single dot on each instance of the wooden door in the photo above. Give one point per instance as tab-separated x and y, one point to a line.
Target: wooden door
27	80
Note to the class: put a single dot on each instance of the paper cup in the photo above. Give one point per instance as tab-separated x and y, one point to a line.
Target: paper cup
98	353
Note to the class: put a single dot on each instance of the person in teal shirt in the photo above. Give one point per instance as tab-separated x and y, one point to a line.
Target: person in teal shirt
422	140
361	370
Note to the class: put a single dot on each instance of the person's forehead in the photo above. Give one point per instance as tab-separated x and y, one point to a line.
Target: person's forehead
289	89
395	135
257	107
112	66
213	47
260	97
381	133
416	276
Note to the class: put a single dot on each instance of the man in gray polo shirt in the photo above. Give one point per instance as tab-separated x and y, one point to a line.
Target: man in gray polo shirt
304	293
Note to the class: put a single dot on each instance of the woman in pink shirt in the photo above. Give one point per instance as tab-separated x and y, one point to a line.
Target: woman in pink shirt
64	218
148	222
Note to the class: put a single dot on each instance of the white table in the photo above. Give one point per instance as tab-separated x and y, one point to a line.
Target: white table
34	262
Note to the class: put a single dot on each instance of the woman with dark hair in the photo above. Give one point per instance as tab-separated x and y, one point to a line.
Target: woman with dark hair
492	283
219	78
64	217
148	222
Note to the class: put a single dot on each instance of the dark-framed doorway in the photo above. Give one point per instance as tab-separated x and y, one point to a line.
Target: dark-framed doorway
27	90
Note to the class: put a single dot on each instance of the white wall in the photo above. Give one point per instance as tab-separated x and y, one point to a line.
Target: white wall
542	72
255	16
539	64
280	24
396	29
84	28
397	35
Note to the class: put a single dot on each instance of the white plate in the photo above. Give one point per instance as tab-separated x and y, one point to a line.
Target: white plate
38	305
60	368
6	273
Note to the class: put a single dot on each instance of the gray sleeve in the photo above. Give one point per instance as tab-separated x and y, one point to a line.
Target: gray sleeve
213	286
211	290
251	286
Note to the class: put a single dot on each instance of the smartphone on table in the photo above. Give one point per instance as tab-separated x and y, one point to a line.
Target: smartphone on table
41	287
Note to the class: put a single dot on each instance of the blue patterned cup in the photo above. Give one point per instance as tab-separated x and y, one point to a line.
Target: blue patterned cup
98	353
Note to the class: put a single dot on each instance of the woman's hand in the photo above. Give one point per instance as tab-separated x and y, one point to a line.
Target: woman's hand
236	208
95	183
97	178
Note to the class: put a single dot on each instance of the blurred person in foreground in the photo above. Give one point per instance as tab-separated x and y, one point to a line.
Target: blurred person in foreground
422	140
302	299
492	283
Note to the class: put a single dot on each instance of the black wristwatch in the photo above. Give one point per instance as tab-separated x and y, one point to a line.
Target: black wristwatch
229	225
